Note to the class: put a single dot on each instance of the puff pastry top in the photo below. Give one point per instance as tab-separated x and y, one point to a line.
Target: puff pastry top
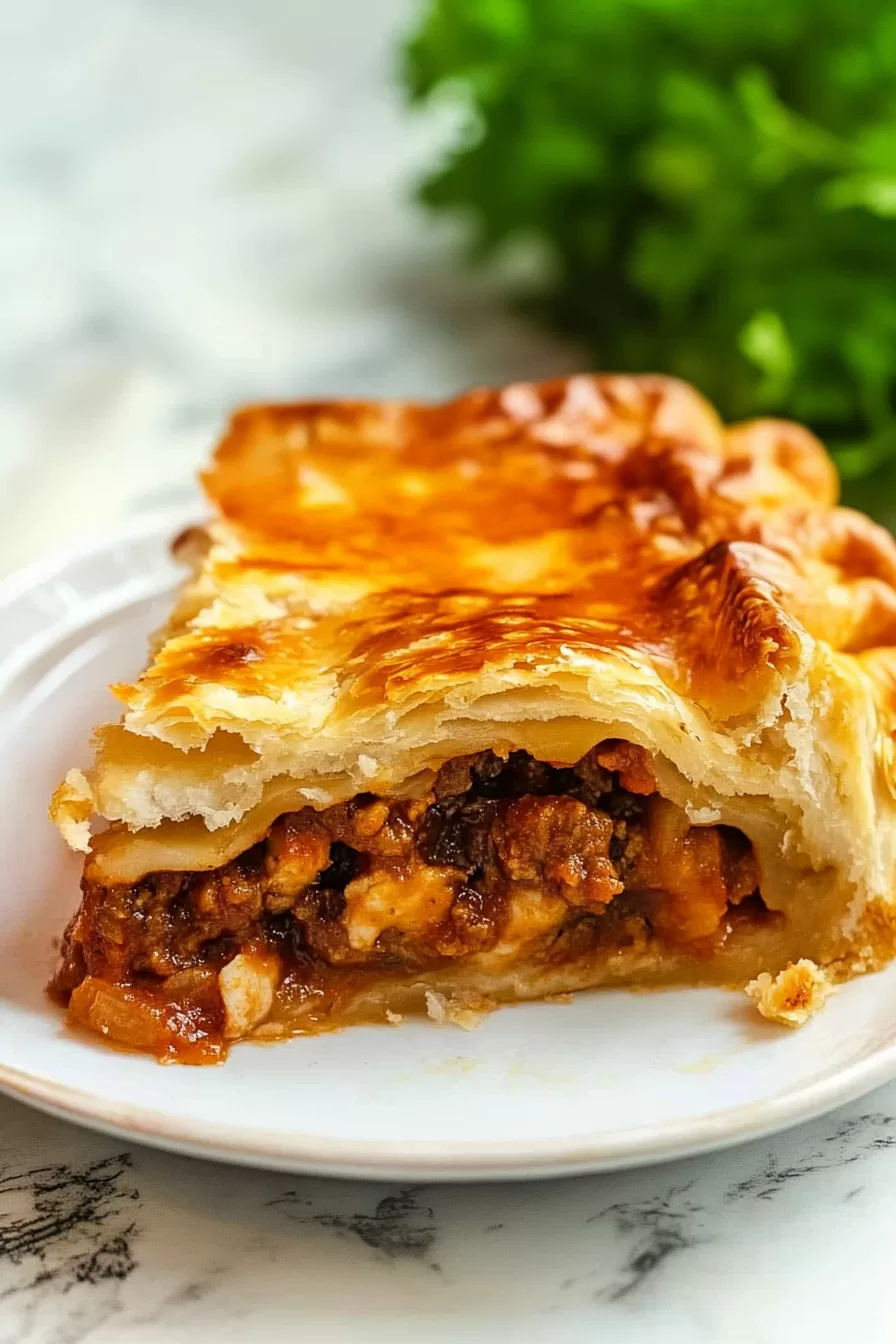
366	553
386	584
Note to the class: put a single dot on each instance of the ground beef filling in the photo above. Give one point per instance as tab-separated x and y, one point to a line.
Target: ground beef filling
505	857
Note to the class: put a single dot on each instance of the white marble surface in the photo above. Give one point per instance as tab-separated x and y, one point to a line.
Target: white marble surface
790	1239
202	202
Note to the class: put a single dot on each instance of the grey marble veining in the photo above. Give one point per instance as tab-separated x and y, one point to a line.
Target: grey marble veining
103	1241
203	202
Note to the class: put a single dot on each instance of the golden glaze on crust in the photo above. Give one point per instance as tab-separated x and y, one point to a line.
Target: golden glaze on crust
387	586
577	515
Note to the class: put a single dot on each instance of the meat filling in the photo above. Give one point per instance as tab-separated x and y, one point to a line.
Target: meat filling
506	857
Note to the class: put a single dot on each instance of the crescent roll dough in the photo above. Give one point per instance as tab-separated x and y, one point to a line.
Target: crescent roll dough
547	687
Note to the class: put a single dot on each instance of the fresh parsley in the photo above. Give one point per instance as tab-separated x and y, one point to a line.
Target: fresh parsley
711	185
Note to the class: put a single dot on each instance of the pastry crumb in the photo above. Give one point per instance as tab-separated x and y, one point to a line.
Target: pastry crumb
793	995
394	1019
559	998
464	1010
71	807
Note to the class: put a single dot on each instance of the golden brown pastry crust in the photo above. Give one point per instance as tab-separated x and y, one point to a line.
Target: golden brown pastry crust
387	586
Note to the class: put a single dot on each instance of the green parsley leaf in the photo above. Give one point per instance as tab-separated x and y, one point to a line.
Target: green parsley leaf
712	181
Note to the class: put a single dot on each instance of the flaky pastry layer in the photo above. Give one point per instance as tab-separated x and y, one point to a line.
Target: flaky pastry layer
384	587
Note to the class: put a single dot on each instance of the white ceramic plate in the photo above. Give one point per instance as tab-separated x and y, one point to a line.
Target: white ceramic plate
613	1079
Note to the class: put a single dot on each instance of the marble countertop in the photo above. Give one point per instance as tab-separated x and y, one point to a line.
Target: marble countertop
782	1239
204	203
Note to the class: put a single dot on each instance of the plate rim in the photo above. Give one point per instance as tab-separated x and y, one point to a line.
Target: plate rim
316	1154
18	582
544	1159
